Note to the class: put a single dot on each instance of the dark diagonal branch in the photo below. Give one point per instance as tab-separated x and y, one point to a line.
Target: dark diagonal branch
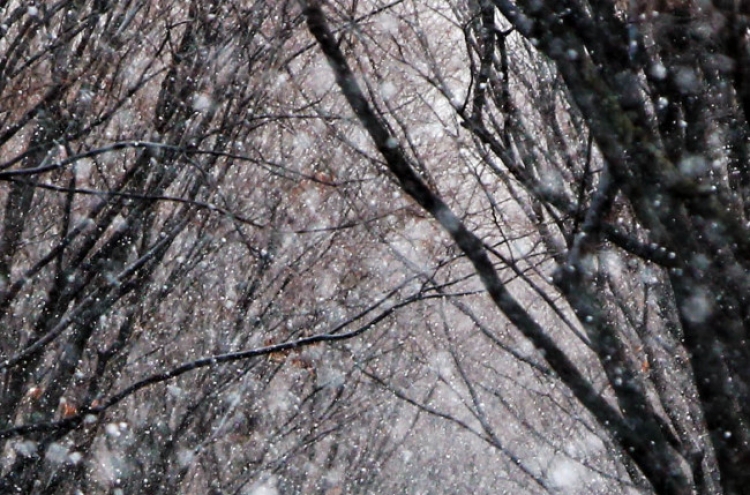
654	457
334	335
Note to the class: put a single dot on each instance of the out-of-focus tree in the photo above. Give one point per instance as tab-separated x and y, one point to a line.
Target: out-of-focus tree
374	247
177	260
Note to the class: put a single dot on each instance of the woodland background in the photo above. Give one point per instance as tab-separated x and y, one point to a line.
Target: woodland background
364	246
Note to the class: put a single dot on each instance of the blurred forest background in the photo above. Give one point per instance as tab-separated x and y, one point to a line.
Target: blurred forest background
268	247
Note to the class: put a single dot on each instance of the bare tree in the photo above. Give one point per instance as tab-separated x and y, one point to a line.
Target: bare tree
614	134
175	270
374	246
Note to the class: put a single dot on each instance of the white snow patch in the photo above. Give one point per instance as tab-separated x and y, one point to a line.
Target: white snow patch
112	430
698	307
648	276
566	474
701	262
267	487
281	402
388	90
185	457
27	448
442	364
119	224
83	169
109	467
526	348
281	80
302	143
612	263
202	102
694	166
329	376
658	71
389	24
687	81
56	453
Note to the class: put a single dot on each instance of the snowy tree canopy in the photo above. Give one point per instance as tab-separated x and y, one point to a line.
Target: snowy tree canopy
446	246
